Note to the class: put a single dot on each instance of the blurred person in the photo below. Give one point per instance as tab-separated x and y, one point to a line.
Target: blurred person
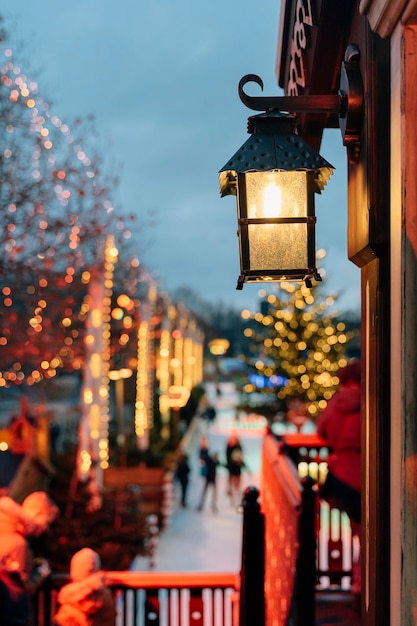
212	463
234	464
86	600
209	414
182	475
203	454
18	523
340	425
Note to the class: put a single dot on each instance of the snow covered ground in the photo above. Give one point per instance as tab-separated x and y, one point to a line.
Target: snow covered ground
210	541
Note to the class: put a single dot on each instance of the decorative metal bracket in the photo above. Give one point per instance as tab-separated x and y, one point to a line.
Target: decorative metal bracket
347	104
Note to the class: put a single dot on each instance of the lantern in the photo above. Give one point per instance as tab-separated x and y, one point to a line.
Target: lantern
275	175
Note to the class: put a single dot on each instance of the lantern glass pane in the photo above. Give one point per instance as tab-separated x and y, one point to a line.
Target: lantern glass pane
273	246
276	194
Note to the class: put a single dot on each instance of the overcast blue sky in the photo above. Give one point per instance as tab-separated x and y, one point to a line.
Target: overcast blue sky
160	77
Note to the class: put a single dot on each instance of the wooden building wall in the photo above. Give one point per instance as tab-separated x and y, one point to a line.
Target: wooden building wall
382	241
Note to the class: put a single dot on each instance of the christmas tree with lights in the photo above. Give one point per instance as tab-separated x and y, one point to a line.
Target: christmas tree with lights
297	344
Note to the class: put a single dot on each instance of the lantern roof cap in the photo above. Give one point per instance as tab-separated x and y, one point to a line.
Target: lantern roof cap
273	146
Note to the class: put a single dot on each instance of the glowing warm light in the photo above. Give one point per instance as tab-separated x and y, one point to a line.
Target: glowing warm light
96	363
219	347
87	396
124	372
117	313
96	318
86	461
123	300
272	201
124	339
163	373
178	396
127	322
141	414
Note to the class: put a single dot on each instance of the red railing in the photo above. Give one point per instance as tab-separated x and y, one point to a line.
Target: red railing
166	599
281	499
309	453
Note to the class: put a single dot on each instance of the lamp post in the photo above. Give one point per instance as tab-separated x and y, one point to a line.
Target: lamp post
275	175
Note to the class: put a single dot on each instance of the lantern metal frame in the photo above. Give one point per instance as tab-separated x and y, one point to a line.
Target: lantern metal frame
245	222
274	146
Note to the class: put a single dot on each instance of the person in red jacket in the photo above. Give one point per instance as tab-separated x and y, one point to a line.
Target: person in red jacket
340	425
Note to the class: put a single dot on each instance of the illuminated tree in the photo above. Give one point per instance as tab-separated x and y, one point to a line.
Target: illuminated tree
298	342
57	209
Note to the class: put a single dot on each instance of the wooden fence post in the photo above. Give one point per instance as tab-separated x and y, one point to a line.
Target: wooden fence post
305	579
252	574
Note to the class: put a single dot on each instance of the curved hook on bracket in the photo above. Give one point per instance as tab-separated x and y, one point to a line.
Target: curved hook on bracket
347	104
313	103
256	103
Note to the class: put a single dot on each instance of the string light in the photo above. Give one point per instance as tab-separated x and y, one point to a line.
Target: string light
141	408
53	241
94	425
